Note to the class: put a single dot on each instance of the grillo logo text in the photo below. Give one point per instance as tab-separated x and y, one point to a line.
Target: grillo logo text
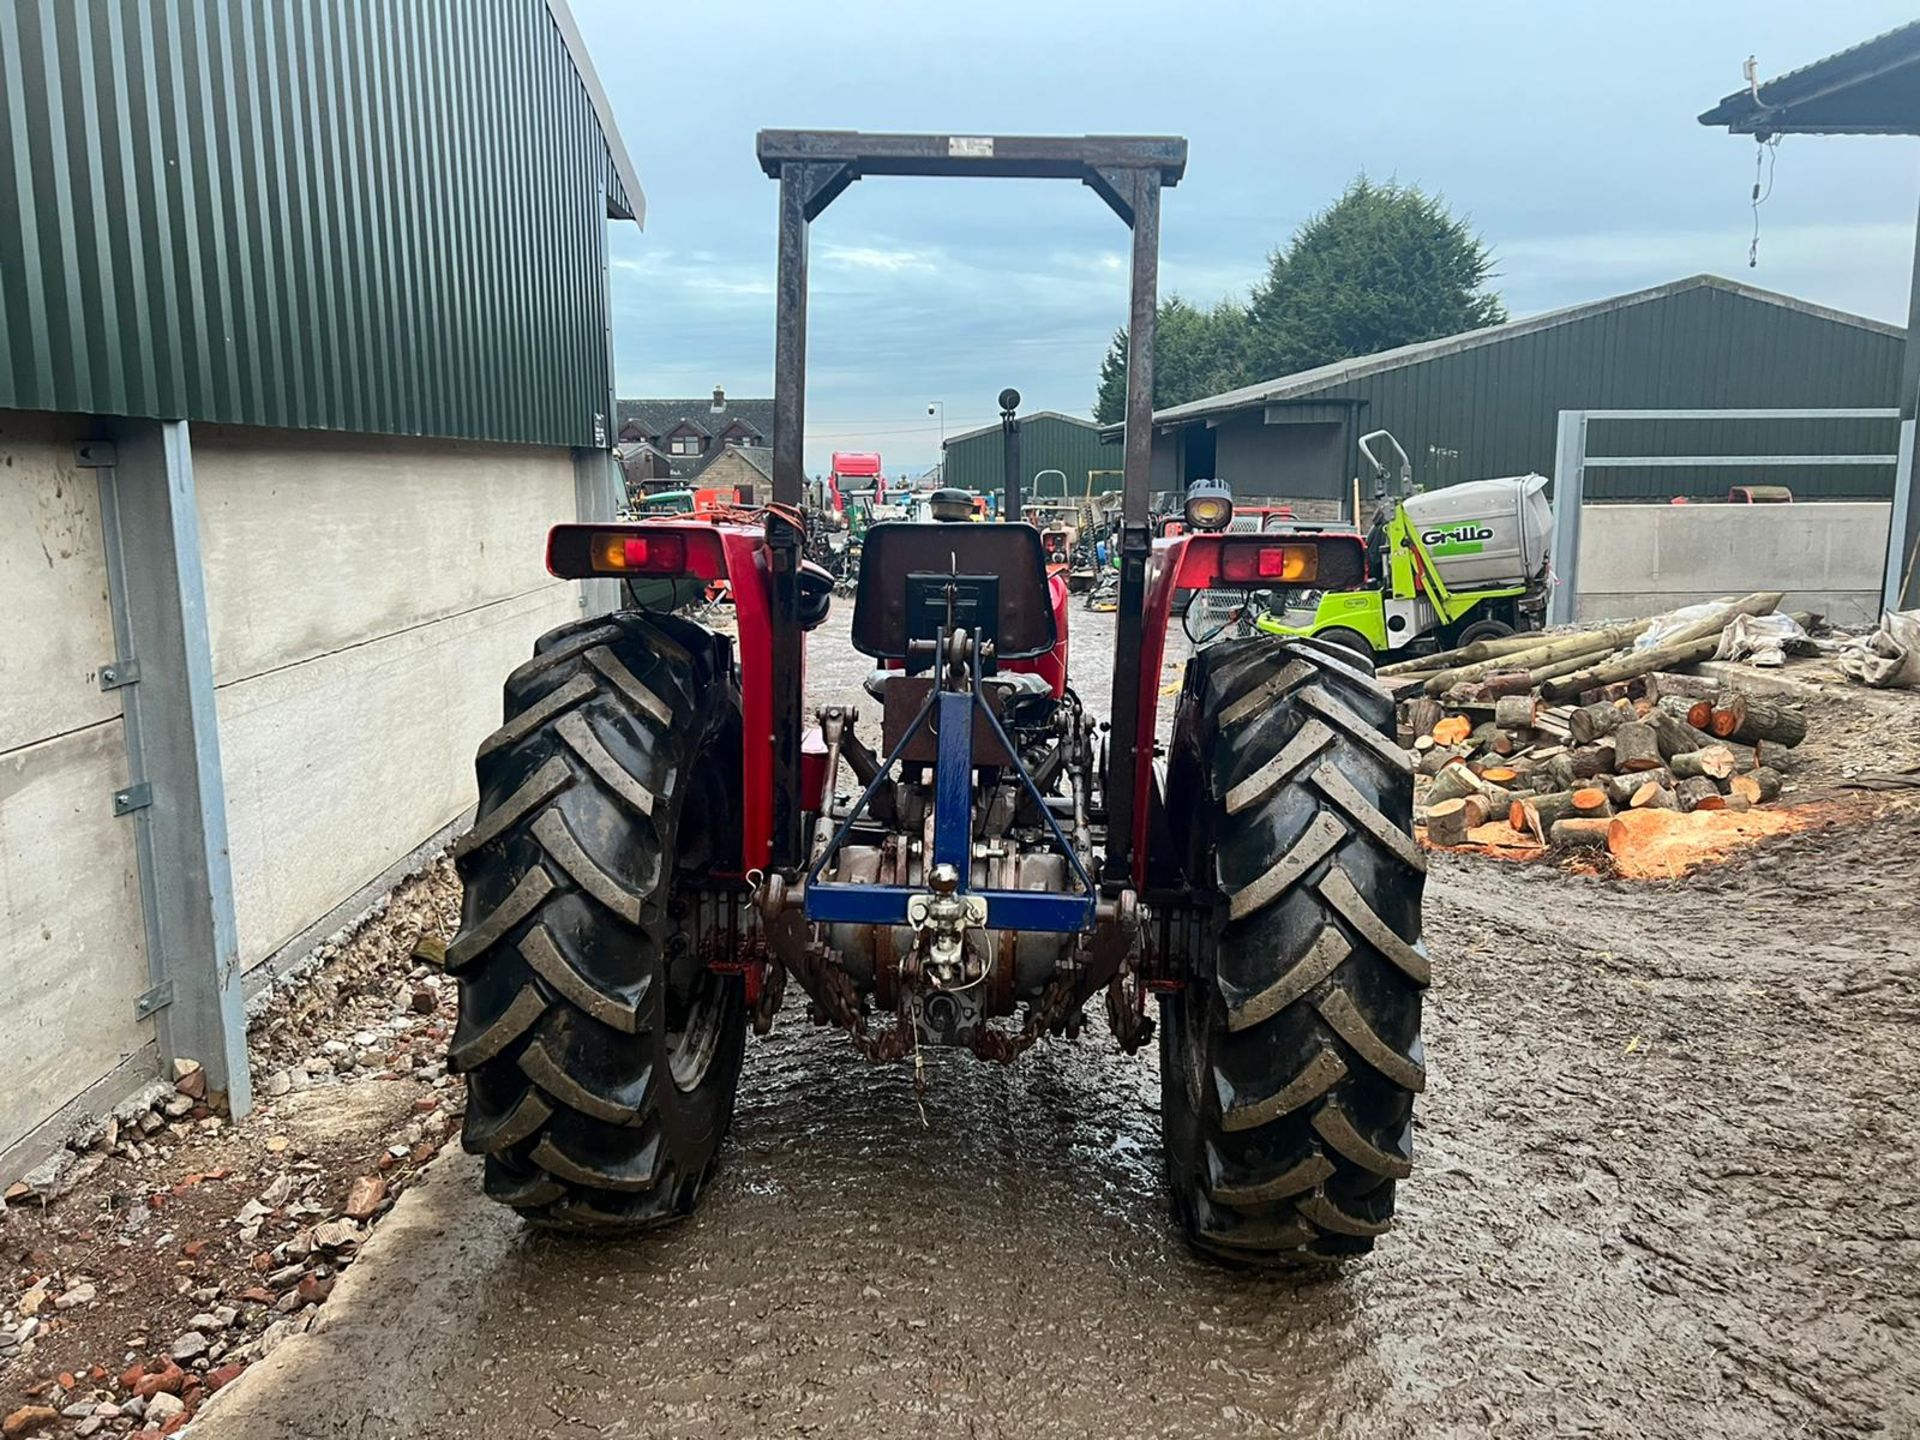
1455	535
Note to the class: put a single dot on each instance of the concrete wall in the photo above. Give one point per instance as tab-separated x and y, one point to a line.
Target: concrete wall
1643	559
366	597
72	943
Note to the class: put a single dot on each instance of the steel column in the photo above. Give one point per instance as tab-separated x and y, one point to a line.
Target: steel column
1010	498
1902	589
598	490
789	487
151	528
1569	493
1136	539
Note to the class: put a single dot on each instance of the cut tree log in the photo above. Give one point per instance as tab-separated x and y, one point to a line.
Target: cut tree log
1651	795
1749	719
1452	730
1422	744
1466	655
1423	713
1507	682
1756	787
1635	747
1683	647
1679	707
1540	812
1451	783
1698	793
1447	822
1715	762
1673	735
1514	712
1482	735
1620	788
1591	760
1498	798
1590	802
1589	722
1478	807
1499	775
1584	833
1662	683
1550	651
1554	773
1438	758
1504	743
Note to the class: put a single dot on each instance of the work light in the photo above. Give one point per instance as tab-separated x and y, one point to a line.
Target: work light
1209	505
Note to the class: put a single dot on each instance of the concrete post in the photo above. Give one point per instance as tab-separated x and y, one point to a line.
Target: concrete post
176	796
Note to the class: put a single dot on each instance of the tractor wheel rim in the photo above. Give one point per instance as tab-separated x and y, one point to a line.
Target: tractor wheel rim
694	1024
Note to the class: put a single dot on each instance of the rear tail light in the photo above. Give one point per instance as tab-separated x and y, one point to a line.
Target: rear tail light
1280	564
639	551
660	554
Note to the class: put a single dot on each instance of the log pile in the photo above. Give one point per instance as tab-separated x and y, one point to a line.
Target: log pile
1542	739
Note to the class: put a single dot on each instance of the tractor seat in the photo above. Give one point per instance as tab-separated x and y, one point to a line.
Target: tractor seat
902	559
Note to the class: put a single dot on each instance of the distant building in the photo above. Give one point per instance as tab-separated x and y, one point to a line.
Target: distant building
976	459
747	469
676	440
1487	402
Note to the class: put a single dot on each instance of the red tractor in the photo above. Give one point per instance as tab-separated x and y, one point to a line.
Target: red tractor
662	844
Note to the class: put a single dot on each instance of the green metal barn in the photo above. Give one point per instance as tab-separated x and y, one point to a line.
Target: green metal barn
1049	440
1486	402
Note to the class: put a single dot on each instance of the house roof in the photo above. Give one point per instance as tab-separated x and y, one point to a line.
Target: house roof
994	429
661	417
1873	88
760	457
1340	372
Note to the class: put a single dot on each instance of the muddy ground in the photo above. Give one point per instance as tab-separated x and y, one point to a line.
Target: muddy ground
1665	1184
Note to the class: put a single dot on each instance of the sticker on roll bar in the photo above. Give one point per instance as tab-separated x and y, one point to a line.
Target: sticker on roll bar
980	146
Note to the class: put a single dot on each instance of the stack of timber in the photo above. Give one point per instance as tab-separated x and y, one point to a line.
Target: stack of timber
1540	740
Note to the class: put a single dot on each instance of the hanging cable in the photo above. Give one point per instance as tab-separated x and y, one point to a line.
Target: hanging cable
1765	156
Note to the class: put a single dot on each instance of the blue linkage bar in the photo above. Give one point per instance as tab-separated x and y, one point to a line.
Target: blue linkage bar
832	902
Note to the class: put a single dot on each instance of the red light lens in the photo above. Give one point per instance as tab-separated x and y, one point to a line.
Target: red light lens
663	554
656	552
1289	564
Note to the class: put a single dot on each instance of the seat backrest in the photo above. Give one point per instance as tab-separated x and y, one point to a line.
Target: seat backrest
897	549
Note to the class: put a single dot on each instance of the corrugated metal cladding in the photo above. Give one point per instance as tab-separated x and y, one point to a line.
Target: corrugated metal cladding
372	215
1493	409
977	461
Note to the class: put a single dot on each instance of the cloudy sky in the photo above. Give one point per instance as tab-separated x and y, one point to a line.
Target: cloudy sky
1566	132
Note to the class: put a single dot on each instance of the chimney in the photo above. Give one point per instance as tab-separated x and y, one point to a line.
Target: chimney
719	399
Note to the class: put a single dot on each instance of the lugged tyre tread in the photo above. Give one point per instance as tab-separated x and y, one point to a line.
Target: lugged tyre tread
562	1028
1288	1092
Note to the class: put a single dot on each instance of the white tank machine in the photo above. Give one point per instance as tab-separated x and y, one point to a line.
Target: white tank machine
1485	534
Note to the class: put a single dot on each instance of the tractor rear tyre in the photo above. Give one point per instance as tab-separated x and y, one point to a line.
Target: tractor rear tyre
1290	1059
601	1052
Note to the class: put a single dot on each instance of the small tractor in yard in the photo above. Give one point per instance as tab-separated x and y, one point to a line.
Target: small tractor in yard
1446	567
663	842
